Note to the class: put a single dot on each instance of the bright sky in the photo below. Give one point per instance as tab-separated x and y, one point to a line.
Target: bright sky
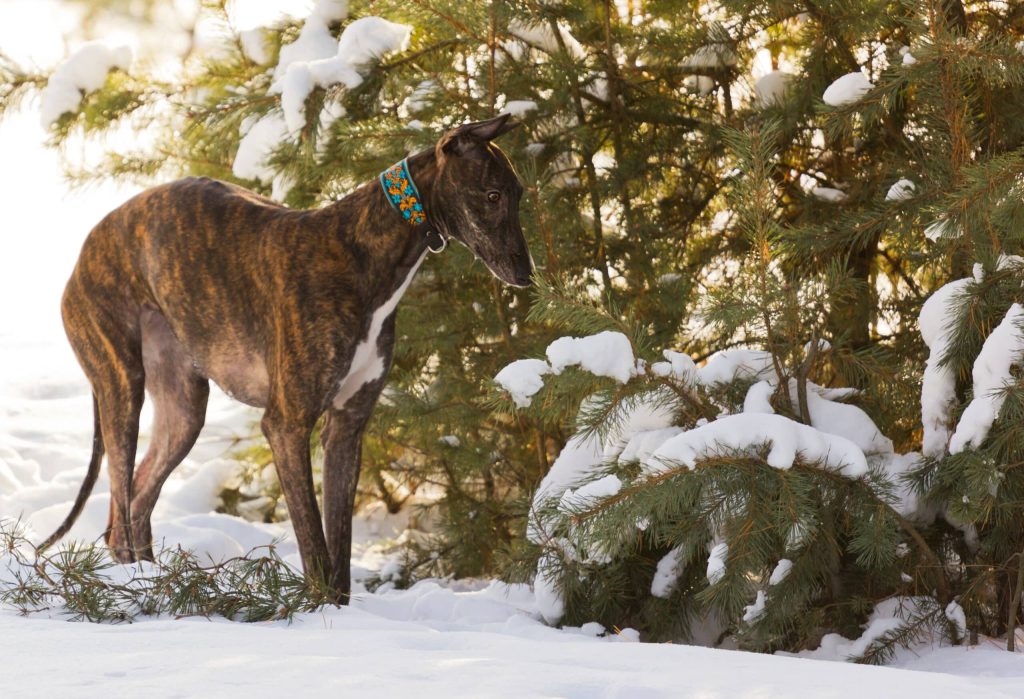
44	224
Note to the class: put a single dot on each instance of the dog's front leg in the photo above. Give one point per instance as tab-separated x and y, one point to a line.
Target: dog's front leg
342	439
289	442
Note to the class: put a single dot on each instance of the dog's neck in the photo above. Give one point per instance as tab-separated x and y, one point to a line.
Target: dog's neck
366	223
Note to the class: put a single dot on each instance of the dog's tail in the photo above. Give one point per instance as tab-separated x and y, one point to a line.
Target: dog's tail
87	484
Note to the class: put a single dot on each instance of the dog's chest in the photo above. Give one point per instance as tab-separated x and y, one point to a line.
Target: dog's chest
368	360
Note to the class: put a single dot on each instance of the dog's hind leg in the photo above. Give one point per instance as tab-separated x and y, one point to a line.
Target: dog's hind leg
104	332
179	396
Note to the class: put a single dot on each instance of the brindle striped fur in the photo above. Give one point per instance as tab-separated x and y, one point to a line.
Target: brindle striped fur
199	280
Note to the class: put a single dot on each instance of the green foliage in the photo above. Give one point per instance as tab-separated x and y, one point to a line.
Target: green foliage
84	583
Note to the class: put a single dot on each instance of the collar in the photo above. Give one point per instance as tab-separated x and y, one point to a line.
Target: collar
401	193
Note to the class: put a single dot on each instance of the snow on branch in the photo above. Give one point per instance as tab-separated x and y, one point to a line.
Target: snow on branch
607	353
991	373
364	40
314	59
846	90
84	71
938	386
788	439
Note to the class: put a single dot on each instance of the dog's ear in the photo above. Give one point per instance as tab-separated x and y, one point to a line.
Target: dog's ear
465	139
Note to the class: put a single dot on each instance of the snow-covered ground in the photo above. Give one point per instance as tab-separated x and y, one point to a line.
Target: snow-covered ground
408	645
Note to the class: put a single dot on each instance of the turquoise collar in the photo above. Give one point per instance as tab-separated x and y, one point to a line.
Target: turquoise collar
401	193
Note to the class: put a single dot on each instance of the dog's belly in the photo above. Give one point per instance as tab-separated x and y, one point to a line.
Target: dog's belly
241	375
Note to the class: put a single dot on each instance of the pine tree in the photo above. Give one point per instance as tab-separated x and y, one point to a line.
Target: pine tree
823	247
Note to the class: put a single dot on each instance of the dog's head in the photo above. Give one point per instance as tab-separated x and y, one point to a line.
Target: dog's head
477	195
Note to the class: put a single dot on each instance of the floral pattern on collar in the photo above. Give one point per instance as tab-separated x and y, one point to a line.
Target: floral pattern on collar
402	193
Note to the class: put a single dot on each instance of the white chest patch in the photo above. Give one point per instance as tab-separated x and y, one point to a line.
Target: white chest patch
367	363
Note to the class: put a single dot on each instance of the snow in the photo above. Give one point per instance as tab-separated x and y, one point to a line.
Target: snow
908	59
847	90
729	365
550	602
756	400
314	42
1002	349
753	612
829	194
667	573
607	353
955	614
331	112
579	456
422	96
677	365
941	229
908	502
926	654
938	385
836	647
493	651
330	11
889	615
84	71
642	444
780	572
901	190
541	36
294	89
522	379
362	41
720	221
843	420
716	562
585	496
260	137
255	45
771	88
368	38
649	412
701	84
712	56
744	432
519	108
823	346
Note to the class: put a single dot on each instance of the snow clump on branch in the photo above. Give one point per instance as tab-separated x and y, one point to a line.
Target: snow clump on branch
846	90
364	40
314	59
1003	348
938	386
82	72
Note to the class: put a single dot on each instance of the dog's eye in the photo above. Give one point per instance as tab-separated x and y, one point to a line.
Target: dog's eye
493	196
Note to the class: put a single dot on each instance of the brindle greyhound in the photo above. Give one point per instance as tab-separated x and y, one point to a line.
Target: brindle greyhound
288	310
